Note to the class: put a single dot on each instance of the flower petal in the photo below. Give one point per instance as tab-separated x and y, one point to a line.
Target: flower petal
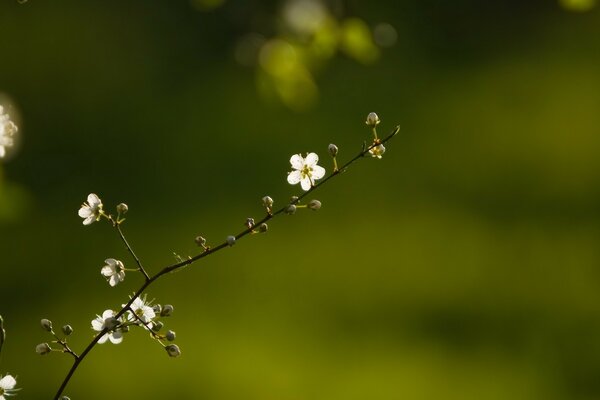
113	281
306	184
294	177
98	324
317	172
116	337
107	314
85	211
8	382
103	339
311	159
89	220
93	200
297	161
107	271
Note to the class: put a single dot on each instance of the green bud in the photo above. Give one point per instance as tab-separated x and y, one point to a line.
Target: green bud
173	350
267	201
167	310
200	241
43	348
157	326
263	228
122	208
291	209
333	150
170	336
314	205
46	324
230	240
67	330
372	120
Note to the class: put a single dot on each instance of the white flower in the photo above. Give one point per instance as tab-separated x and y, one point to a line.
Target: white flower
142	310
7	130
107	320
91	210
377	151
113	271
305	170
7	387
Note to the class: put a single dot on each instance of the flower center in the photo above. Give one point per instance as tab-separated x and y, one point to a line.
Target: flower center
306	171
1	391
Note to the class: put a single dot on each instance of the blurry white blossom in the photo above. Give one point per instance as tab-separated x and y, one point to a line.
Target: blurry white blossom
91	210
113	271
142	310
107	320
7	387
7	131
305	170
377	151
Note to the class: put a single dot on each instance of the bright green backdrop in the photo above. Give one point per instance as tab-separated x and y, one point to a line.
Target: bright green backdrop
463	265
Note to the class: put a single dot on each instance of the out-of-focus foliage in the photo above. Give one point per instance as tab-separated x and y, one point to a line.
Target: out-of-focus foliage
462	265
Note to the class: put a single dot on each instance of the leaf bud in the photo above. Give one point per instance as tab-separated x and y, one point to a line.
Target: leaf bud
167	310
333	150
173	350
67	330
43	348
46	324
372	120
314	205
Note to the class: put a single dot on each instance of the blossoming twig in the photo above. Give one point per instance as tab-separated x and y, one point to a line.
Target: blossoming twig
93	210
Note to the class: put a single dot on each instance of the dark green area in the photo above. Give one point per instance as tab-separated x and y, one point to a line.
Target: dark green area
463	265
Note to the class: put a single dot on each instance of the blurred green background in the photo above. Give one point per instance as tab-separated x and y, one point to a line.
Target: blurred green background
463	265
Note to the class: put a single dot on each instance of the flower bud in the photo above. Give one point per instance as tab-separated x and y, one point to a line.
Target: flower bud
200	241
124	328
111	323
333	150
293	199
157	326
372	120
157	308
173	350
263	228
65	398
230	240
170	336
167	310
46	324
67	330
314	205
267	201
291	209
43	348
122	208
249	222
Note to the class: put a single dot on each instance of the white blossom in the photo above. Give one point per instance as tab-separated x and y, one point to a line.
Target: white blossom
377	151
91	210
143	310
113	271
7	386
106	321
7	131
305	170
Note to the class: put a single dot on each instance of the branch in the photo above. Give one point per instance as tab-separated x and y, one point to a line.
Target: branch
208	251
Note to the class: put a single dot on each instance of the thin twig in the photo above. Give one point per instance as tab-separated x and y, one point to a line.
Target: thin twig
207	252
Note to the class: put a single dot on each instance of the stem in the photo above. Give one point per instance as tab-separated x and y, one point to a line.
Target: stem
207	251
137	260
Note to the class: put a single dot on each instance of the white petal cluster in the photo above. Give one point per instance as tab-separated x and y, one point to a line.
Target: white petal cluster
91	210
113	271
143	311
377	151
107	320
305	170
7	131
7	386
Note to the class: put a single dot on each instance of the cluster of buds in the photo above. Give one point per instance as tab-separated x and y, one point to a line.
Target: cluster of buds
46	347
